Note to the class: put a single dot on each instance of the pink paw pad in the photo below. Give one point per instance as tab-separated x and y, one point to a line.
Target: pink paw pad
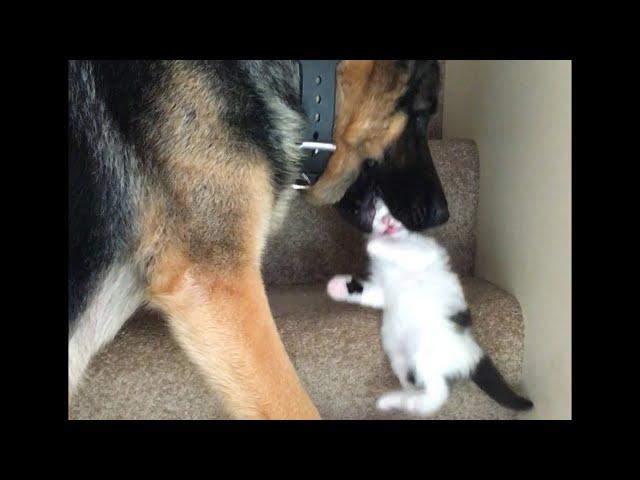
337	287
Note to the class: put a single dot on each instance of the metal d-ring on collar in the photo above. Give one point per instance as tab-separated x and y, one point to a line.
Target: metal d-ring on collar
318	93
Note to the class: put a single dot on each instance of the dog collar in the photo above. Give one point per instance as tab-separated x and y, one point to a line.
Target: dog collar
318	96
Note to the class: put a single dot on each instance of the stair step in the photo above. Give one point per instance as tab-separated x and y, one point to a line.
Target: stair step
143	374
315	243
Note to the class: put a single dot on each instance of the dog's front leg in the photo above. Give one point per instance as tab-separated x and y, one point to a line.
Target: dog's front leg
223	321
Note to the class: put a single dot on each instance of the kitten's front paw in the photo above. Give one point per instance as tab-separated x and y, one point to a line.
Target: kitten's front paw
337	287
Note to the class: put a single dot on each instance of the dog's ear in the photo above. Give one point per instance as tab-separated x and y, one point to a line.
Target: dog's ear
421	96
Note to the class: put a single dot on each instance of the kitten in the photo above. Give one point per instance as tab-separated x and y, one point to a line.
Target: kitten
426	323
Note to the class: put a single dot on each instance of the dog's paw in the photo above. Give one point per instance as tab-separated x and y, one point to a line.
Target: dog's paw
337	287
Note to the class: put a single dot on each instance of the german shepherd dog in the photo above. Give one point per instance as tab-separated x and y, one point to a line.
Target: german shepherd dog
178	172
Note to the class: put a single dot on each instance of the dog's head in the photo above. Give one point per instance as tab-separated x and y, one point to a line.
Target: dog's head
382	112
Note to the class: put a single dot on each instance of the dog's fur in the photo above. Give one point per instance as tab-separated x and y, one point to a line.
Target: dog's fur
178	171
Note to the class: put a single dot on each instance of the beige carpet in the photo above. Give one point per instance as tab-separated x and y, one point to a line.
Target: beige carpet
335	347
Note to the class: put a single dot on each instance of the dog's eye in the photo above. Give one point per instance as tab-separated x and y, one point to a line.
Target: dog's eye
369	163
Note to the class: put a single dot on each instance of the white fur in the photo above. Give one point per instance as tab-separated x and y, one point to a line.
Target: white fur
118	297
412	281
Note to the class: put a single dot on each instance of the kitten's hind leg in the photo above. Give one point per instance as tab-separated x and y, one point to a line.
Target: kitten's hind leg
422	403
393	400
405	374
345	288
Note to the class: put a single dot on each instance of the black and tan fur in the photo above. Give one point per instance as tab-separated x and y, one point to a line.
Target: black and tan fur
178	171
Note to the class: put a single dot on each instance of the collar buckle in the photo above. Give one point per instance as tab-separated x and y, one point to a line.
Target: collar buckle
317	96
304	182
317	146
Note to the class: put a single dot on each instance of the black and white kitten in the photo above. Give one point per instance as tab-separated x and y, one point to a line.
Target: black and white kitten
426	323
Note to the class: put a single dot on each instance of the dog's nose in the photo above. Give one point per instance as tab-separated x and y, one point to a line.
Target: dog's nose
439	214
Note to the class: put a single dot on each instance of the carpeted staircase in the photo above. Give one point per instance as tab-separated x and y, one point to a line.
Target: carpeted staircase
335	347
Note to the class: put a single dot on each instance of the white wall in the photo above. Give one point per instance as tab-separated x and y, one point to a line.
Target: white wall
519	113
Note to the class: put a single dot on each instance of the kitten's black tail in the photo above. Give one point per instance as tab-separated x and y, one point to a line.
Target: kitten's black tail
489	379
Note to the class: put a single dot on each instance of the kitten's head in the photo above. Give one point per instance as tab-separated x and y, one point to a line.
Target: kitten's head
384	224
363	206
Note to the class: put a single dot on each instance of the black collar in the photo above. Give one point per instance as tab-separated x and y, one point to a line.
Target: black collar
318	94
